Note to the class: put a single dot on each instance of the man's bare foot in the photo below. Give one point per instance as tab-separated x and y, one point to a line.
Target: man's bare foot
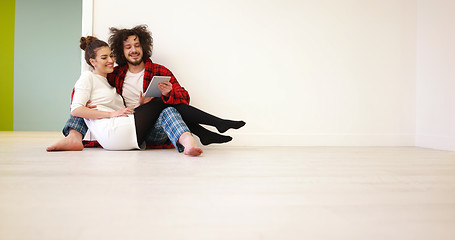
66	145
195	151
72	142
188	142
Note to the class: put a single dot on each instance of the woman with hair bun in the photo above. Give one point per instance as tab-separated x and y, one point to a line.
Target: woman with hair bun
117	127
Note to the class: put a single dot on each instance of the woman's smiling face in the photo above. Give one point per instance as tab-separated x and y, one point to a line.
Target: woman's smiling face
104	62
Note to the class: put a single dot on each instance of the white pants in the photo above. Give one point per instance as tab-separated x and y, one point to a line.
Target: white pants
117	133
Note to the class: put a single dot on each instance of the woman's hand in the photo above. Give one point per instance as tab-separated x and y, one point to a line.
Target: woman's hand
165	88
121	113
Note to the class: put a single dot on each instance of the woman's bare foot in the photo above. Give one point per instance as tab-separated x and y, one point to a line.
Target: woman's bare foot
72	142
188	142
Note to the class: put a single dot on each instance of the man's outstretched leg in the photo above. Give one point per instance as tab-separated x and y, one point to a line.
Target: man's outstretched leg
72	142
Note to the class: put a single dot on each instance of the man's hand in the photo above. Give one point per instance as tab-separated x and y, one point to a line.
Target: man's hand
89	105
143	100
165	88
121	113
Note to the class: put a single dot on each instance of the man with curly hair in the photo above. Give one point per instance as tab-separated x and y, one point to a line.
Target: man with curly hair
132	49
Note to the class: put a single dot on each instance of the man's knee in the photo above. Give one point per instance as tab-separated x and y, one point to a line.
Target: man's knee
171	116
169	111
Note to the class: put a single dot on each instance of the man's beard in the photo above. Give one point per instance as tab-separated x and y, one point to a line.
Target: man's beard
136	63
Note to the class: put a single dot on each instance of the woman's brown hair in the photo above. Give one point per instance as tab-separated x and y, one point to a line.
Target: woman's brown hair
90	45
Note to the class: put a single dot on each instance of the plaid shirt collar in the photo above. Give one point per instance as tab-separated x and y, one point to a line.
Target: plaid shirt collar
117	78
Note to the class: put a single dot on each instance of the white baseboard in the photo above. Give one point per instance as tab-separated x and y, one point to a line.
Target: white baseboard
436	142
241	139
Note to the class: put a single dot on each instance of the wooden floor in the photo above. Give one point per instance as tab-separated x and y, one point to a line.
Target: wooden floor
228	193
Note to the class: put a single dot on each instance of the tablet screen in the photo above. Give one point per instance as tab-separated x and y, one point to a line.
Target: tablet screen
152	89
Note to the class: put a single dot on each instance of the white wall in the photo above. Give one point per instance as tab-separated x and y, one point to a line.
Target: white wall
436	75
299	72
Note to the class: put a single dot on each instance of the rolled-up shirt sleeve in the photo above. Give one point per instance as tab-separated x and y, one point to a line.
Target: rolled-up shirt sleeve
82	91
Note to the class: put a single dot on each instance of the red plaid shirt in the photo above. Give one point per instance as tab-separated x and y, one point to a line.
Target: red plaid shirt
177	95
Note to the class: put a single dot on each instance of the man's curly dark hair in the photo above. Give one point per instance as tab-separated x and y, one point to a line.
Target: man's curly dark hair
118	36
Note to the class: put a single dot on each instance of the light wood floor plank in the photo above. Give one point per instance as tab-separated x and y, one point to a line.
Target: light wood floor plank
228	193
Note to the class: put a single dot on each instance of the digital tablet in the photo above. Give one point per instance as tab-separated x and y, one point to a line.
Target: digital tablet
152	89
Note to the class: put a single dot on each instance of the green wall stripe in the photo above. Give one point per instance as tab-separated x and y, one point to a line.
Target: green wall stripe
7	65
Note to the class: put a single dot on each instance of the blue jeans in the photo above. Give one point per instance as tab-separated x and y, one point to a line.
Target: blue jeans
168	127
